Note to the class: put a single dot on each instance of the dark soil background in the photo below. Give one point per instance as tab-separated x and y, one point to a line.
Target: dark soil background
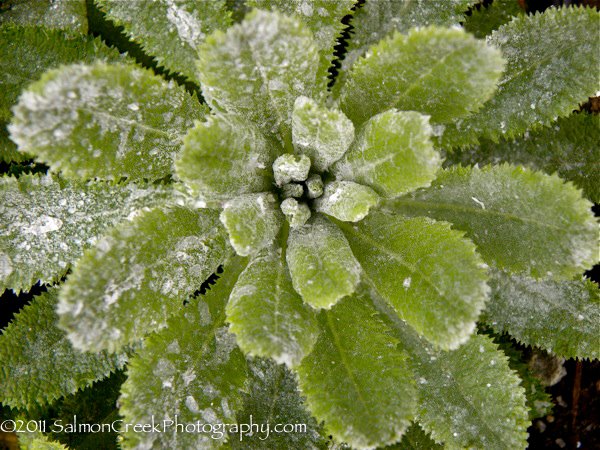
575	420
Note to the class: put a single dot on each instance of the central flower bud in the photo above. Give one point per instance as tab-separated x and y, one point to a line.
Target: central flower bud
297	184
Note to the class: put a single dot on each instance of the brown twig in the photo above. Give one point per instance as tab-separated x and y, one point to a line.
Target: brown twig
575	404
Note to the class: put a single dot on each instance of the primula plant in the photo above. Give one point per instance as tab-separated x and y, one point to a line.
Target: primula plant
355	237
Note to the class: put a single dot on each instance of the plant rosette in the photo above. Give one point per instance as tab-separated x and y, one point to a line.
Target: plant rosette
350	256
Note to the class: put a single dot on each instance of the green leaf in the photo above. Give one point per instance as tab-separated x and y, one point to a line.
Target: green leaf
392	154
225	157
59	369
357	378
346	200
258	68
562	317
520	220
322	266
429	274
415	439
27	52
70	15
104	121
252	221
322	134
138	275
323	18
543	78
468	397
8	149
190	372
266	314
377	19
443	72
170	30
38	441
486	18
272	397
46	223
569	147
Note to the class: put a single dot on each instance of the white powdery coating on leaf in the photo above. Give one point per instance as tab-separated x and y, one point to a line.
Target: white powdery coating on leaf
6	267
189	28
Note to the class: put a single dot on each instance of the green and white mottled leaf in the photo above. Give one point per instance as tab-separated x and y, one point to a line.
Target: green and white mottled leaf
392	153
468	397
27	52
138	275
46	223
59	369
432	277
520	220
297	214
252	221
323	18
543	78
357	378
377	19
346	200
70	15
272	396
191	371
104	121
562	317
170	30
487	18
258	68
443	72
322	134
266	314
569	147
225	157
322	266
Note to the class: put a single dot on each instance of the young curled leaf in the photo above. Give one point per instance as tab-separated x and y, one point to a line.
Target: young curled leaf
392	154
322	266
346	201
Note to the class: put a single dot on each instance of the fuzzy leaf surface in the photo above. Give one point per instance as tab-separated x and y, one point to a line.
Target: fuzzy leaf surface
266	314
104	121
26	52
69	15
443	72
170	30
429	274
392	153
322	266
323	18
162	257
357	378
252	221
468	397
224	157
485	19
258	68
346	201
59	369
272	396
520	220
47	223
562	317
542	80
320	133
8	149
190	371
415	439
569	147
377	19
